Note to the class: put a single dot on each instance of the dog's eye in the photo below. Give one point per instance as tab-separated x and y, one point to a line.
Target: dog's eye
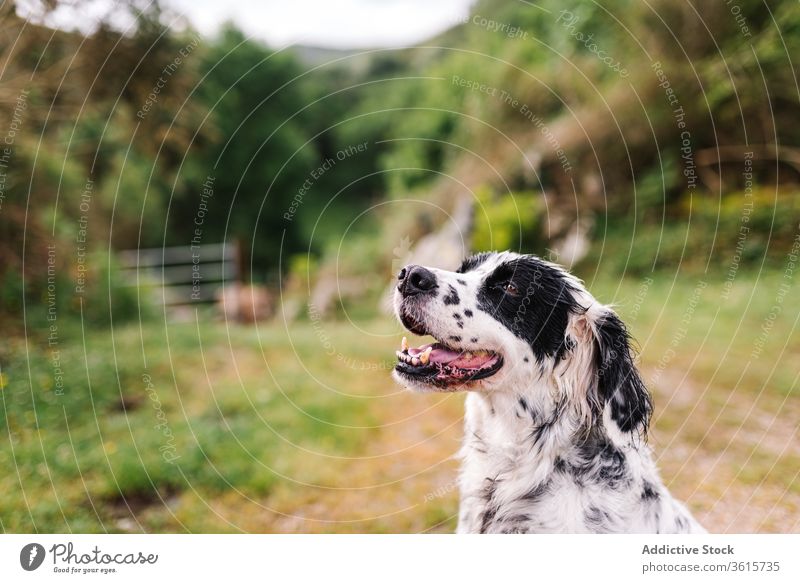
510	288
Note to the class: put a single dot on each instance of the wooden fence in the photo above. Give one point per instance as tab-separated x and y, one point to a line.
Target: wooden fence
183	275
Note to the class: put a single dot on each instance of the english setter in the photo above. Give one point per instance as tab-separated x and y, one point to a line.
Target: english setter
556	413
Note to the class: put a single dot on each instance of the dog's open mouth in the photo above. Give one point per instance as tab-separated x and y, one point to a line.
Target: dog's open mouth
439	364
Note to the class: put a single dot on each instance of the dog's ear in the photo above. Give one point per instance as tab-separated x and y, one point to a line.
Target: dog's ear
619	384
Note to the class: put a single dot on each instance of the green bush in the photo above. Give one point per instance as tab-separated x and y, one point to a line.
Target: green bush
110	297
704	232
506	221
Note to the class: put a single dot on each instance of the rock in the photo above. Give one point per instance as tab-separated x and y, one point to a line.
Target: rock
444	248
245	303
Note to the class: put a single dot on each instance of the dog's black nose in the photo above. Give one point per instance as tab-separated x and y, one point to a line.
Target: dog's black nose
415	279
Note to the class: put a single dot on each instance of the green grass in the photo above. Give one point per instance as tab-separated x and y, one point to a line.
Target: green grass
721	333
298	428
107	436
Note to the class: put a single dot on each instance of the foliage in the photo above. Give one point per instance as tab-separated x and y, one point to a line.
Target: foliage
87	157
479	111
475	109
507	221
740	230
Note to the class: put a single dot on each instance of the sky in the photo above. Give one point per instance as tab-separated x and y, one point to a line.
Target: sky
328	23
323	23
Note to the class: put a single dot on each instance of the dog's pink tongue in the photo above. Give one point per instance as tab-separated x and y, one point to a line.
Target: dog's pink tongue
457	358
438	354
474	360
444	355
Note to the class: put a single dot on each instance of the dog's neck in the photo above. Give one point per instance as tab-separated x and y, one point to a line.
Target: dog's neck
537	414
526	424
515	441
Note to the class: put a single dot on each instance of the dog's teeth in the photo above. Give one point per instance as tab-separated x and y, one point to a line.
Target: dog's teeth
404	344
467	355
425	356
415	361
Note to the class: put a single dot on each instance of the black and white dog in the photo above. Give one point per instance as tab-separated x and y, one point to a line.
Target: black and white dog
556	413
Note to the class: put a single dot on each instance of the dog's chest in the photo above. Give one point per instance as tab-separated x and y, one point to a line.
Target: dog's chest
503	493
512	483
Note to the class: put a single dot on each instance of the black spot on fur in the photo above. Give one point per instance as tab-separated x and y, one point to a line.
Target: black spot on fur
461	281
460	325
451	299
455	338
489	488
613	467
456	315
598	520
649	493
599	461
473	262
516	524
468	313
473	340
538	313
487	518
478	444
536	492
595	515
541	430
523	403
526	359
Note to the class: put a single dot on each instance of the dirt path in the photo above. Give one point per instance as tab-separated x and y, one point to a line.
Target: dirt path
733	459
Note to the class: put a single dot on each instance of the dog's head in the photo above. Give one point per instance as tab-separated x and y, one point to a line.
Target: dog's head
504	321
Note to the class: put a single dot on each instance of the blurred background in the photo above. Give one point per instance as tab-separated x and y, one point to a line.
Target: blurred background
203	204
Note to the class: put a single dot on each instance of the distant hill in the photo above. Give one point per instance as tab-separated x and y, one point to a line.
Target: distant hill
358	63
